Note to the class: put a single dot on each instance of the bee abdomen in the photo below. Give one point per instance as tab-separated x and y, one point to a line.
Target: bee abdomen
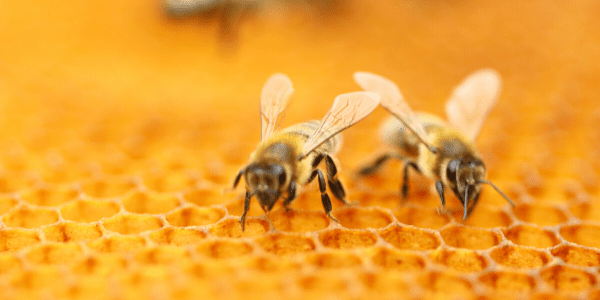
306	129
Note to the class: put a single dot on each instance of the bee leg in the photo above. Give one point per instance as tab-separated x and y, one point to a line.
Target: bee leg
334	184
407	165
242	219
324	196
374	166
238	177
439	186
291	196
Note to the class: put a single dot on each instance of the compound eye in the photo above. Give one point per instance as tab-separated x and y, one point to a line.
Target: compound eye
281	179
452	168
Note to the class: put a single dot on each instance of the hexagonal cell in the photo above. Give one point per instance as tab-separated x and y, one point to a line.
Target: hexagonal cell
421	217
72	232
459	260
527	235
54	253
108	187
177	236
323	280
204	196
298	221
344	238
15	239
226	248
540	215
11	182
568	279
101	264
236	208
168	181
232	228
89	210
586	210
118	243
6	203
284	244
30	217
577	255
150	203
271	263
470	238
195	216
48	278
393	259
162	255
444	286
387	282
50	195
500	280
361	217
488	216
9	262
132	223
409	238
334	259
519	257
585	235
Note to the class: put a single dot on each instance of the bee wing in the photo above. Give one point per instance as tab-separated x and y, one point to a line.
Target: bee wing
392	101
347	110
273	101
472	100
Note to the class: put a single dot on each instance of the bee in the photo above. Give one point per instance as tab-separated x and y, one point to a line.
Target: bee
286	160
444	152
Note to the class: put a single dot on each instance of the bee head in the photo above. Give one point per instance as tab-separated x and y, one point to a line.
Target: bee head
266	182
465	177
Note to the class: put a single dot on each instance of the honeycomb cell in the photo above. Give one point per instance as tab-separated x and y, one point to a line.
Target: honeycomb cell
444	286
421	217
344	239
15	239
161	255
108	187
226	248
30	217
459	260
394	259
195	216
132	223
204	196
100	264
512	281
585	234
72	232
577	255
285	244
470	238
360	217
232	228
526	235
50	195
586	211
298	221
519	257
116	243
540	215
11	182
177	236
150	202
335	259
323	280
9	262
89	210
487	216
6	203
54	253
271	263
409	238
169	181
42	277
389	283
567	279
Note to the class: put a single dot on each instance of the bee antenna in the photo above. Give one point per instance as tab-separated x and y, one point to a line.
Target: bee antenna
499	191
465	203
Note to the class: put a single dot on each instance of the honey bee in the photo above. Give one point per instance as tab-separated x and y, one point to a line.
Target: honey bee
441	151
288	159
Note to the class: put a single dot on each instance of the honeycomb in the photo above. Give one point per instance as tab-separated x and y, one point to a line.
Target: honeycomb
122	130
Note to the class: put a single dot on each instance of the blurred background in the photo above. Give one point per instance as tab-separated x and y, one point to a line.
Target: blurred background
148	79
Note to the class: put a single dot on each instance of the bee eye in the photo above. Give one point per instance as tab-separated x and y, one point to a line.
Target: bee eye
281	178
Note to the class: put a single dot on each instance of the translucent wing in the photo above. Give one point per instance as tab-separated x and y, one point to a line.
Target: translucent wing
347	110
472	100
273	100
392	101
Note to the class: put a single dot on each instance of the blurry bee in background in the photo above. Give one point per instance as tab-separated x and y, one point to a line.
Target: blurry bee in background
288	159
443	152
